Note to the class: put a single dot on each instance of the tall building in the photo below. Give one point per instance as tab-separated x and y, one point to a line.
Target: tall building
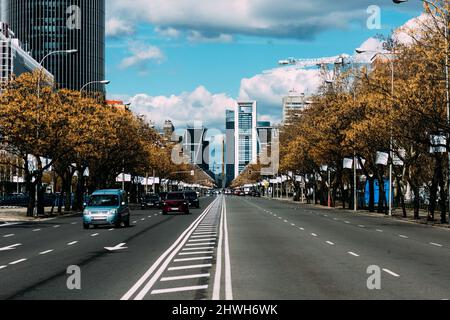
196	147
264	129
168	130
245	136
45	26
13	59
293	105
229	146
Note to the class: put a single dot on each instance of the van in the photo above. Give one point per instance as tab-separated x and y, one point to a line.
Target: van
107	208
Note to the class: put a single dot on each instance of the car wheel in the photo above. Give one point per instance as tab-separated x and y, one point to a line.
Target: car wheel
86	226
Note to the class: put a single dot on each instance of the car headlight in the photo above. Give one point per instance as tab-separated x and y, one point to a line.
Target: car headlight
113	211
87	213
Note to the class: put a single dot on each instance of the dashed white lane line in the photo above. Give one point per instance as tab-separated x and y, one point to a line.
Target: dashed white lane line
436	244
330	243
200	240
347	222
134	222
403	236
74	222
94	235
335	219
353	254
2	267
57	226
285	221
293	224
200	244
9	235
193	276
197	266
303	229
379	230
17	261
112	229
45	252
72	243
314	235
205	233
361	226
36	230
193	259
197	248
194	253
143	219
391	273
204	236
181	289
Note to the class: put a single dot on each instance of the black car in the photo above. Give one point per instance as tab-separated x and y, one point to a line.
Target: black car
255	194
151	201
193	199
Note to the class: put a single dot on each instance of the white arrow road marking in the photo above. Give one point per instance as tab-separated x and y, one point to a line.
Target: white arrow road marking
14	246
118	247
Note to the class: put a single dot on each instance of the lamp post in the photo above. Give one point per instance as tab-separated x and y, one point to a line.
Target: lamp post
446	15
71	51
387	55
104	82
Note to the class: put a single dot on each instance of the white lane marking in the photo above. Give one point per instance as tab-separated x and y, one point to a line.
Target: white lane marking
193	259
326	215
36	230
192	276
403	236
361	226
134	222
2	267
347	222
112	229
391	273
181	289
164	260
12	247
314	235
57	226
353	254
200	244
195	253
74	222
436	244
286	221
200	240
330	243
18	261
116	248
303	229
379	230
143	219
197	248
218	274
228	283
150	217
196	266
205	233
72	243
9	235
204	236
45	252
293	224
94	235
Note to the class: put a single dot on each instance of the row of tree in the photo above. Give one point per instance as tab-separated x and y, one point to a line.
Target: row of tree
70	134
356	115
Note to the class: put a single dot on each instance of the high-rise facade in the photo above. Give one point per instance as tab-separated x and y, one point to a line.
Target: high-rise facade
293	105
196	147
45	26
245	136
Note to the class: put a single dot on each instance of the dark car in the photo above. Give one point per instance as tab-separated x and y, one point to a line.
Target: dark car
255	194
193	199
151	201
175	202
163	195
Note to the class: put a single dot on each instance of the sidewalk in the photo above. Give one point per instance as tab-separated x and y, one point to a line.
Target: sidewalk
16	214
397	214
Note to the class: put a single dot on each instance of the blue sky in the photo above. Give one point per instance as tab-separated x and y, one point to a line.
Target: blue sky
162	60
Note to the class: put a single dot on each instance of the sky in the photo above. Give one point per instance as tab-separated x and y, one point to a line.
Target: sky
190	60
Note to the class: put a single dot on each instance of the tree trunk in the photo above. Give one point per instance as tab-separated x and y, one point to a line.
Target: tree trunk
371	193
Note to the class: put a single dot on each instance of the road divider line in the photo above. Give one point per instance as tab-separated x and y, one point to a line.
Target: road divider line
2	267
436	244
195	253
403	236
391	273
330	243
193	259
45	252
36	230
18	261
9	235
201	248
193	276
200	244
228	279
72	243
182	289
164	260
197	266
200	240
218	274
314	235
94	235
204	236
353	254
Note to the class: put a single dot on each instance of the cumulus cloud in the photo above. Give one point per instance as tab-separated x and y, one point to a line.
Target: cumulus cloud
283	19
198	105
141	54
117	28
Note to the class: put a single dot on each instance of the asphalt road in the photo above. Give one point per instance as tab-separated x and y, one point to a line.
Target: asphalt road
232	248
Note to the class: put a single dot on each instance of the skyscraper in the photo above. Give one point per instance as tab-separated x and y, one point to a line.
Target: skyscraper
45	26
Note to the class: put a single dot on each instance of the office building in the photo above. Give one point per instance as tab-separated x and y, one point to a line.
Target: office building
229	146
14	60
245	136
45	26
196	147
293	106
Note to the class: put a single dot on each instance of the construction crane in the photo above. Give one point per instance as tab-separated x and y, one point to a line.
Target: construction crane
341	60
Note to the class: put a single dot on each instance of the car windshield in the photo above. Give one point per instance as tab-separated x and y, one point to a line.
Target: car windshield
191	195
175	196
108	200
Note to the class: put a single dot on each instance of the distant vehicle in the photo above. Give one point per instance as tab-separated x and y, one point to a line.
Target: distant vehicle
107	207
192	197
175	202
151	201
255	194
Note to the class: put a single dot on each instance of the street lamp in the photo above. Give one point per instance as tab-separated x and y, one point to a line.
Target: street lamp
104	82
387	55
446	14
71	51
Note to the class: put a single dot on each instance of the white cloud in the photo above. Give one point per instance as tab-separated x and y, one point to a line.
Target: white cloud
283	19
198	105
117	27
141	54
170	33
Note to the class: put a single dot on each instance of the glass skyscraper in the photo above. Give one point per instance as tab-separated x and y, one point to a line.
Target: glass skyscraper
44	26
